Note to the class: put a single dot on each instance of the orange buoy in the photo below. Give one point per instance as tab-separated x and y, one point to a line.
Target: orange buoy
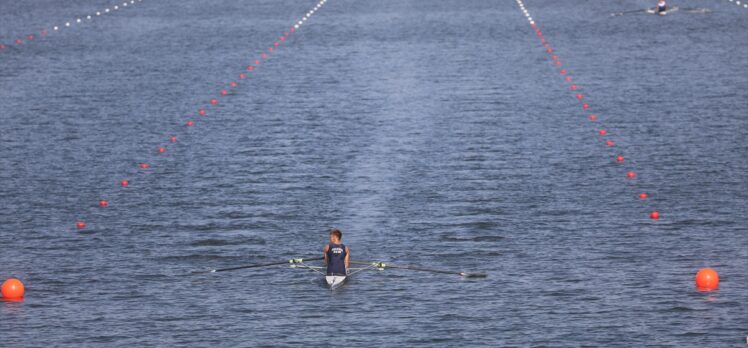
13	289
80	225
707	279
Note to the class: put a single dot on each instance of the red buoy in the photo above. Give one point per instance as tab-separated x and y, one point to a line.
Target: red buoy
580	96
603	132
124	183
80	225
610	143
173	138
707	279
30	36
631	174
190	123
13	289
144	166
224	92
250	68
214	101
232	84
19	41
201	112
655	215
643	195
568	78
161	149
103	203
554	57
585	106
563	71
242	76
619	159
593	117
573	87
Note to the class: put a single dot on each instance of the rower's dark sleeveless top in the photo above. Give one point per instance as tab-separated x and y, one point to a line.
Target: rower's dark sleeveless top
336	258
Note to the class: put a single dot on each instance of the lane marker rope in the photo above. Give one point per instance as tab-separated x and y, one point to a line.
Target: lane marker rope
43	33
744	4
202	111
602	131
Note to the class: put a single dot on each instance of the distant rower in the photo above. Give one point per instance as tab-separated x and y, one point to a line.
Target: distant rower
337	255
662	6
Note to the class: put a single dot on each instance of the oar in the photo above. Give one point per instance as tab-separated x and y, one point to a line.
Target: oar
383	265
627	12
291	261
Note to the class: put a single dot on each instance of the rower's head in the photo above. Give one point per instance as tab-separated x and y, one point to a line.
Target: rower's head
335	236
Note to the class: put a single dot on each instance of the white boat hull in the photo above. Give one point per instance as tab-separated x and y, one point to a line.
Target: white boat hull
335	281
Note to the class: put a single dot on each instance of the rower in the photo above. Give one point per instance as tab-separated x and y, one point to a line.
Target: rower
661	6
337	255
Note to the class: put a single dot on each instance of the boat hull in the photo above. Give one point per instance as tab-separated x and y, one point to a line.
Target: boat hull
335	281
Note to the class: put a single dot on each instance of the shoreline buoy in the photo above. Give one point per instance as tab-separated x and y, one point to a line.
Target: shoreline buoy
13	289
707	279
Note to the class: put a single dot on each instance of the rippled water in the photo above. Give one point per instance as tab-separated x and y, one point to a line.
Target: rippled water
434	132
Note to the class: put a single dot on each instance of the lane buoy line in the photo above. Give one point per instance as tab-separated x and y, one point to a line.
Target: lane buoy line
201	112
69	24
743	3
602	132
706	279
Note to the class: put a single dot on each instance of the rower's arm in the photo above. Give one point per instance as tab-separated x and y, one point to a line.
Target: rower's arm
347	257
324	252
